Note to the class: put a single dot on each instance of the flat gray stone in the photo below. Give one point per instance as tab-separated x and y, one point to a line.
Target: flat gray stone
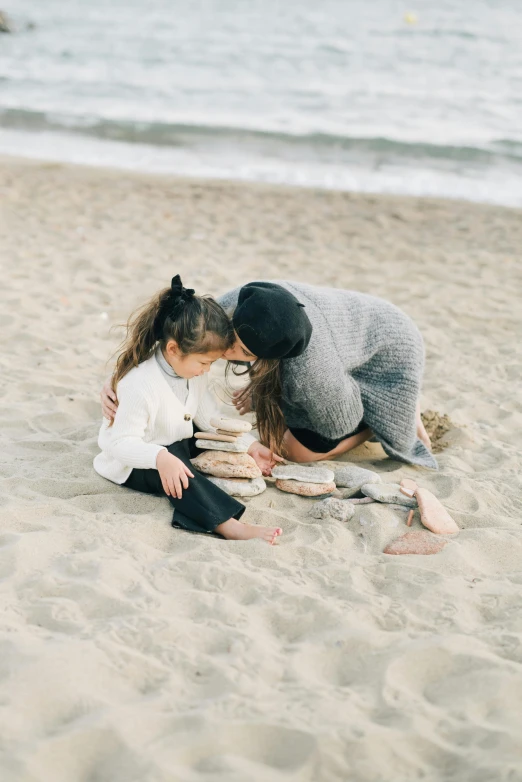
388	492
352	478
342	510
240	446
298	472
222	438
241	487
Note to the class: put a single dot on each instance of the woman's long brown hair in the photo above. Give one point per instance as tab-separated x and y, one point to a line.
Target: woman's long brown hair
264	392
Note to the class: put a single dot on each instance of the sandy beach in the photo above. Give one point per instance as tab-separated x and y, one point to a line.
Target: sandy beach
132	652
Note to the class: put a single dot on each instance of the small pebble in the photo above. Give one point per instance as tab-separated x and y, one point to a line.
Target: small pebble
342	510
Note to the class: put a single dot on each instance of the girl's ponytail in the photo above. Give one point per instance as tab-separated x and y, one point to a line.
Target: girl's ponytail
197	324
141	338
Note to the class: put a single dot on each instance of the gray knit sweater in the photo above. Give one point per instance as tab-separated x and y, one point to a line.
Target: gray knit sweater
365	360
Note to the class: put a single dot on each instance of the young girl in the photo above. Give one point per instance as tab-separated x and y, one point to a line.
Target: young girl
160	379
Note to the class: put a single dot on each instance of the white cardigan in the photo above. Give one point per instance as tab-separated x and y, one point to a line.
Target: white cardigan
150	417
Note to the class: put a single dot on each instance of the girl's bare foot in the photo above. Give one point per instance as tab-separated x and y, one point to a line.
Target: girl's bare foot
236	530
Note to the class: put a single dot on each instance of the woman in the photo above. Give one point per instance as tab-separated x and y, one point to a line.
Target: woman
329	369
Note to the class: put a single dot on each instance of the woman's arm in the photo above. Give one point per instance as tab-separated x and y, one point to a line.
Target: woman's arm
109	401
297	452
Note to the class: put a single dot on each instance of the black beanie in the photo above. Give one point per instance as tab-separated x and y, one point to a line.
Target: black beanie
271	322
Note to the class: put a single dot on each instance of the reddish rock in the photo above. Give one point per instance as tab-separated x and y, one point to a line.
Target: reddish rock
408	483
305	489
417	542
434	515
227	465
407	492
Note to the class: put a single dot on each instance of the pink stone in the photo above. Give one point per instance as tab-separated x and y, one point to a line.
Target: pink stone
408	483
407	492
417	542
434	515
223	464
305	489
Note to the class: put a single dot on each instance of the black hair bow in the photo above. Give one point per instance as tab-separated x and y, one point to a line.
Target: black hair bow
171	305
179	294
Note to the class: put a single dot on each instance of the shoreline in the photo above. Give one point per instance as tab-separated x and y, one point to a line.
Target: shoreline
197	181
155	161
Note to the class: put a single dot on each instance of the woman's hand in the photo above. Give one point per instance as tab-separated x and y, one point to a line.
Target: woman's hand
245	406
109	401
173	473
264	457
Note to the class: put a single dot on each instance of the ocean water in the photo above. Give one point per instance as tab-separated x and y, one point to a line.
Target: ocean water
412	97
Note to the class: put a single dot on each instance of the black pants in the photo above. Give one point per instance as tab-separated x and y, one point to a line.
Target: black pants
203	505
319	444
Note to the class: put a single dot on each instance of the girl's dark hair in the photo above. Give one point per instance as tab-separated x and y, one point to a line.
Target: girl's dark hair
264	391
197	323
